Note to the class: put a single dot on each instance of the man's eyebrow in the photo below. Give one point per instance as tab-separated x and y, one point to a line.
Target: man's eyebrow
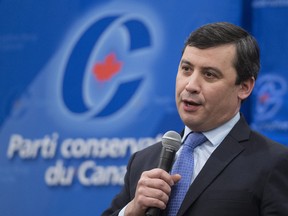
183	61
217	70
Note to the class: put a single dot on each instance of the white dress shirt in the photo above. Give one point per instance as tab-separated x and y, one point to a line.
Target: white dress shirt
204	151
214	138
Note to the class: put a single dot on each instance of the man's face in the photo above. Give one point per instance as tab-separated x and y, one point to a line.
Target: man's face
206	94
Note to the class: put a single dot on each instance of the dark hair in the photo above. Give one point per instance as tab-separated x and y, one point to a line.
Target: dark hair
247	59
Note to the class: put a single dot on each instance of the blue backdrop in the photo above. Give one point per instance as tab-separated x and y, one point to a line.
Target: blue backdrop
270	99
84	84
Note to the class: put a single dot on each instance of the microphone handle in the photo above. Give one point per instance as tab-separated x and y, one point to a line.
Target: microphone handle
153	211
165	163
166	159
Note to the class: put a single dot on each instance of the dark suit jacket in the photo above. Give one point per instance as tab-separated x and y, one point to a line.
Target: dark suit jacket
247	175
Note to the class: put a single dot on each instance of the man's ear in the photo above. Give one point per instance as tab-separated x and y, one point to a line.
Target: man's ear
246	88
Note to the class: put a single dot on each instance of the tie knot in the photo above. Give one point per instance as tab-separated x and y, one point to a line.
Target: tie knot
194	139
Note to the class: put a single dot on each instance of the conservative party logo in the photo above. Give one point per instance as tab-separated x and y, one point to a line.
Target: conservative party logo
104	68
269	91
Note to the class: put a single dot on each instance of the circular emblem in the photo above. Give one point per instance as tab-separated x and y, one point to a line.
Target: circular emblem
98	79
269	92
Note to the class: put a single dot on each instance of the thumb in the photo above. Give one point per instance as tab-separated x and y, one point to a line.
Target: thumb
176	178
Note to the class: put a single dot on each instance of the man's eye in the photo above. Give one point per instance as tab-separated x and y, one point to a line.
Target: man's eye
185	68
210	74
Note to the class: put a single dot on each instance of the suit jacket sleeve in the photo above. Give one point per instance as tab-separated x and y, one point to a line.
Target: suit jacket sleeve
139	162
123	198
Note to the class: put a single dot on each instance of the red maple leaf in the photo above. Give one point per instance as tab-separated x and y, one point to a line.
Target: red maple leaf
263	98
105	70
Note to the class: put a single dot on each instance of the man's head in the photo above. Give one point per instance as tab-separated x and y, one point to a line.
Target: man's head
216	73
247	59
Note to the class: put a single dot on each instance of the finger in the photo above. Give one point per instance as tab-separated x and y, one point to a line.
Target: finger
159	174
152	198
154	183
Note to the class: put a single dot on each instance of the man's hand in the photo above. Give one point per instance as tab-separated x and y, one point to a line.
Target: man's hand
153	190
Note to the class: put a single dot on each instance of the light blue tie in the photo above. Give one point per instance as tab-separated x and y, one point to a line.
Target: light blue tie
184	165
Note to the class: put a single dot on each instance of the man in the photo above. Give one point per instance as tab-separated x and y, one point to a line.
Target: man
237	172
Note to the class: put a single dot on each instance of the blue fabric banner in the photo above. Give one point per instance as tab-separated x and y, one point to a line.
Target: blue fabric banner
270	98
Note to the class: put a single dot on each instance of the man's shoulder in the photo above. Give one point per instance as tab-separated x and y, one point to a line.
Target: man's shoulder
268	142
153	149
146	158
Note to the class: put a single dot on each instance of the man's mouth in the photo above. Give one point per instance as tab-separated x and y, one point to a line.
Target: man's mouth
191	103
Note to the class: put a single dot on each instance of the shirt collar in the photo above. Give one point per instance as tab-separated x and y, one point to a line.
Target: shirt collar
216	135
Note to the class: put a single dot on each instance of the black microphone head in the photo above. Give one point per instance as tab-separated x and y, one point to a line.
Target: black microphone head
171	140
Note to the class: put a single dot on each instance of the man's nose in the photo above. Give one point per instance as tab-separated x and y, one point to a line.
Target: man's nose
193	82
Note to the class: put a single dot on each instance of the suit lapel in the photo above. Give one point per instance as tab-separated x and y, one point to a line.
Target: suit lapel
218	161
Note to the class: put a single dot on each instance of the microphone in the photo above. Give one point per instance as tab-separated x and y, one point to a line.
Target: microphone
171	142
